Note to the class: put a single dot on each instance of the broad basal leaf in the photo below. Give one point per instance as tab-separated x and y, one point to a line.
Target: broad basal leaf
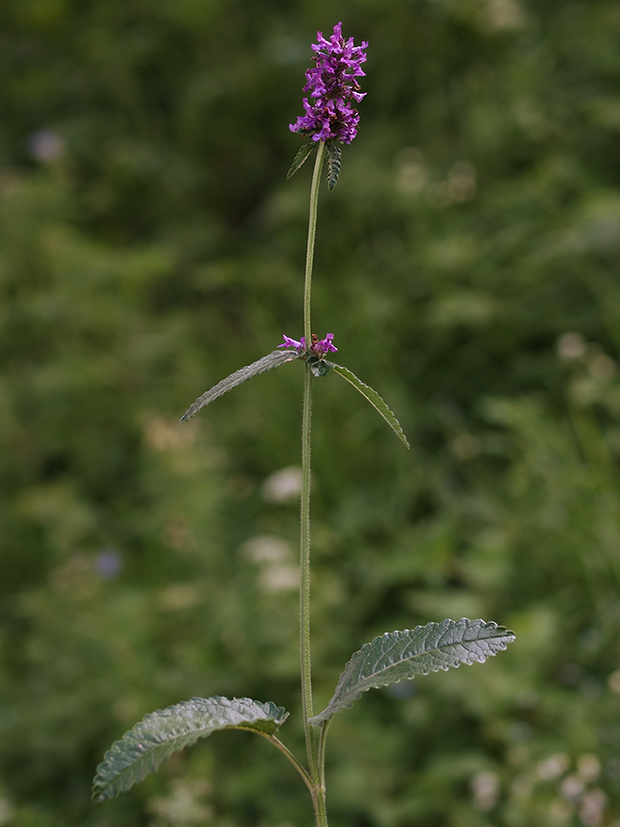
334	157
142	749
373	397
302	156
397	656
268	362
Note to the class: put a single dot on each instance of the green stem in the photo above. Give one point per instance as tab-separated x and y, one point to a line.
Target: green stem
300	769
314	203
304	591
321	754
306	439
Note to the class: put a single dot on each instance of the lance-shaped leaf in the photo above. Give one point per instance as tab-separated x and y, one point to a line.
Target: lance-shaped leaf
302	156
334	157
397	656
142	749
268	362
373	397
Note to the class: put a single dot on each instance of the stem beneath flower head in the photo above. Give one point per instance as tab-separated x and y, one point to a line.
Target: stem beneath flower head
306	437
314	203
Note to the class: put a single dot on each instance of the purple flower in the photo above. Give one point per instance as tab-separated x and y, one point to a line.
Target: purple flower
332	84
318	347
299	346
324	346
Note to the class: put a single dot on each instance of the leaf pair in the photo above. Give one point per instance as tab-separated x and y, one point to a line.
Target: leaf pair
334	158
319	367
390	658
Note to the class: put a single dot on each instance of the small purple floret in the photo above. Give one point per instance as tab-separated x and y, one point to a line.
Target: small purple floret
318	347
299	346
332	84
325	346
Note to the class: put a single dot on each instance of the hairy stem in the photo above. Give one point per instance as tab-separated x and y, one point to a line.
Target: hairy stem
314	202
304	592
306	439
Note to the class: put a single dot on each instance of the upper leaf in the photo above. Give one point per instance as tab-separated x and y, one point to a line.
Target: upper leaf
373	397
300	158
397	656
268	362
334	158
142	749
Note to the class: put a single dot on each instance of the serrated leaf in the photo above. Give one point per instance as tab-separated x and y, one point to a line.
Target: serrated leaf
302	156
141	750
268	362
373	397
334	158
397	656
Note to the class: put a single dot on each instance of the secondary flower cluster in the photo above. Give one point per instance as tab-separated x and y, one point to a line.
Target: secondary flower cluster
332	84
318	347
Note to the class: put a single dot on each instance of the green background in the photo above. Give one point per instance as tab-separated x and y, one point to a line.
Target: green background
468	265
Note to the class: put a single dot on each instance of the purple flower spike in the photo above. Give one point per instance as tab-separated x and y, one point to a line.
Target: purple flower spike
332	84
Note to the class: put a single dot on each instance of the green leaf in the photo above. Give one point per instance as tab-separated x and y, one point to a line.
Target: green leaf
142	749
373	397
319	367
302	156
334	157
397	656
268	362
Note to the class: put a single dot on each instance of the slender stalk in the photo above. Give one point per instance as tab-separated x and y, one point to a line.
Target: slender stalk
321	754
314	202
304	590
306	439
300	769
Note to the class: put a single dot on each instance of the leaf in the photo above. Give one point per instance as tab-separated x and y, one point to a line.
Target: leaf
268	362
319	367
373	397
334	157
397	656
142	749
302	156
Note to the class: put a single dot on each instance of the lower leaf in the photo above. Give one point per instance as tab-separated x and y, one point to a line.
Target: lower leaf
141	750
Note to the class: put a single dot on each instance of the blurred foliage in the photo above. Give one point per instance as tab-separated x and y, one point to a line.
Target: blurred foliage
468	264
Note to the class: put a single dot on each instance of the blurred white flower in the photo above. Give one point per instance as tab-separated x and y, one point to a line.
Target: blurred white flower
283	486
46	146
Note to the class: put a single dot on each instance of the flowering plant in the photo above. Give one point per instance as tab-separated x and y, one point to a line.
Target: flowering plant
331	120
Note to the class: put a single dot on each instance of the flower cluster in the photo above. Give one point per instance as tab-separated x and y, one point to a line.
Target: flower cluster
318	347
332	84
